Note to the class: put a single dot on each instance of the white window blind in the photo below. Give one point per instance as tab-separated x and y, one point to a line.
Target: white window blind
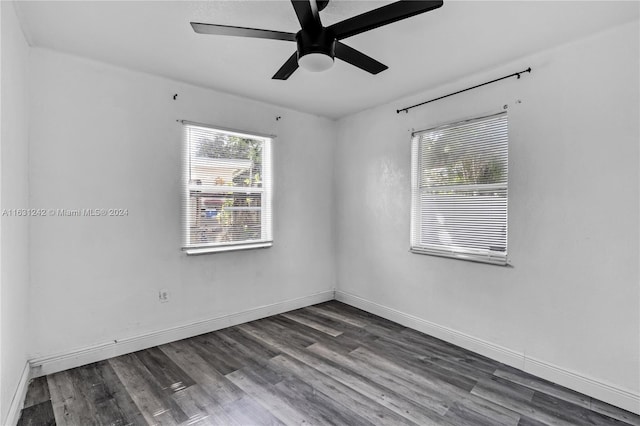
228	190
459	190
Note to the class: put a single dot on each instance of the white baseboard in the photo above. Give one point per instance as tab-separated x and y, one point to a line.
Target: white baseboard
598	389
75	358
17	402
595	388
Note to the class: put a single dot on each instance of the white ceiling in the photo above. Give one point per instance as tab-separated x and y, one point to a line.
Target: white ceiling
422	52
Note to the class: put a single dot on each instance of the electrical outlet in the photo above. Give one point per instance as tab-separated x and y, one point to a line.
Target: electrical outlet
163	295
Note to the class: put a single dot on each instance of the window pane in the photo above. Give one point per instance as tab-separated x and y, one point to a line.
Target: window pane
471	154
225	160
225	217
465	219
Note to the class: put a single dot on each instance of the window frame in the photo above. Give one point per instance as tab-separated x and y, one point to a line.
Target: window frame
462	253
266	191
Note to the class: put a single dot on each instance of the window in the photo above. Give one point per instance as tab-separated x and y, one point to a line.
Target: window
227	185
459	190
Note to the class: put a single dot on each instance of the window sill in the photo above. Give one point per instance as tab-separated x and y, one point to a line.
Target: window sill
497	260
220	249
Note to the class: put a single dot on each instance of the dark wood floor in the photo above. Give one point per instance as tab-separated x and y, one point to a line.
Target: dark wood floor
325	364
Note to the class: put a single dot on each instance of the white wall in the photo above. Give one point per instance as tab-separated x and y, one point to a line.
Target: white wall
571	299
105	137
14	276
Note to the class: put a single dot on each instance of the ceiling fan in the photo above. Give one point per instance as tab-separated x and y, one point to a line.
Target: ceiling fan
319	45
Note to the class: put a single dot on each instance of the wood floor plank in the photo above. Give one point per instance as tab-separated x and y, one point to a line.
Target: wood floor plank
253	356
169	376
461	415
201	409
435	402
350	311
111	412
350	333
308	312
313	324
37	392
342	343
423	365
527	421
40	414
316	404
320	310
333	324
341	394
541	411
434	387
109	402
458	364
68	403
217	386
496	388
543	386
251	349
615	412
155	404
295	337
416	412
377	325
549	409
444	350
207	346
247	411
262	391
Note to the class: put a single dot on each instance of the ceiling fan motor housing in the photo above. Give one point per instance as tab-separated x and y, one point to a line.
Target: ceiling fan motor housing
323	42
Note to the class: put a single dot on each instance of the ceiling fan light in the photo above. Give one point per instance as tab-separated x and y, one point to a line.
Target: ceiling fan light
315	62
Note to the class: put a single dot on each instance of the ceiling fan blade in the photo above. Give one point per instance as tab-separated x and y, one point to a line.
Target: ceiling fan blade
307	14
358	59
382	16
241	32
288	68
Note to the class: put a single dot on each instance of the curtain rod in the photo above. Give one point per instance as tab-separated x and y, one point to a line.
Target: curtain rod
515	74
